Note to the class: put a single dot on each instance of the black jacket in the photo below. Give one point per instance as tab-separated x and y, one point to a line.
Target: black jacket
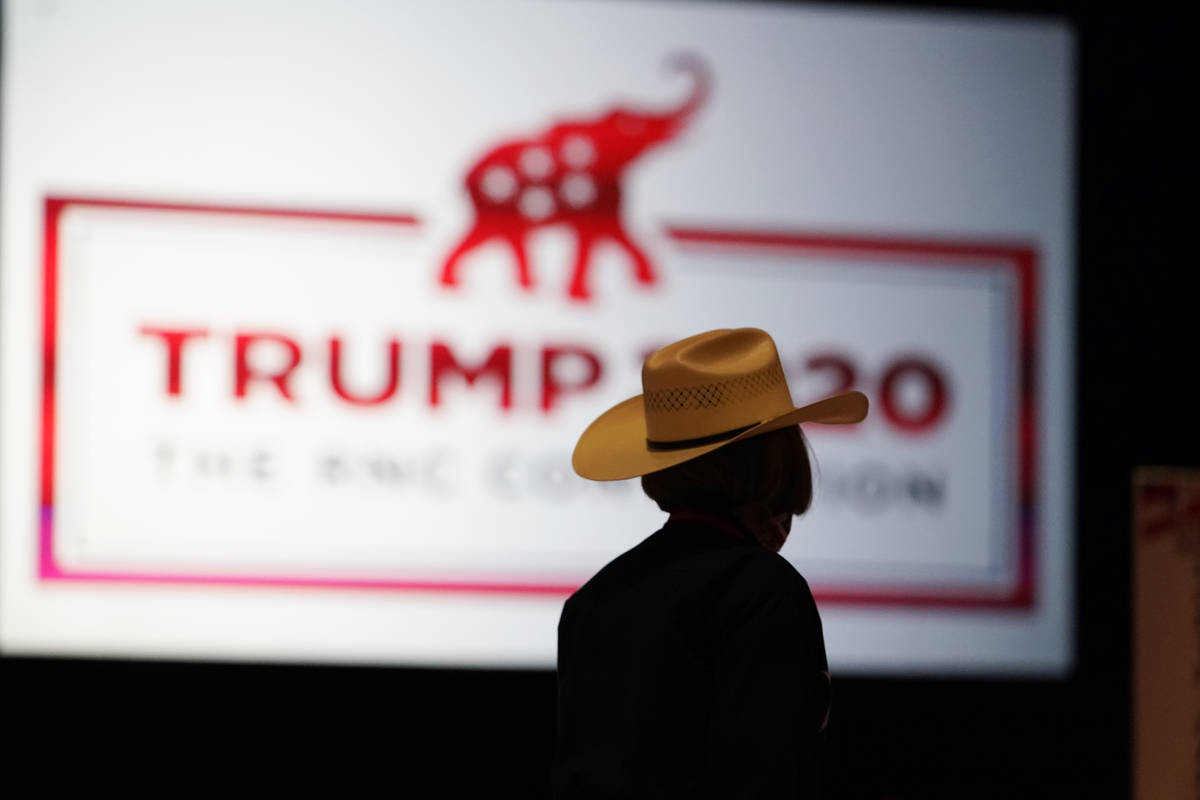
691	666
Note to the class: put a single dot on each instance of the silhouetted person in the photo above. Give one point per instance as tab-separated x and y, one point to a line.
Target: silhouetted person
694	665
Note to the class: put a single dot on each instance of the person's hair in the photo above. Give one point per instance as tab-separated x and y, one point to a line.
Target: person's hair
768	474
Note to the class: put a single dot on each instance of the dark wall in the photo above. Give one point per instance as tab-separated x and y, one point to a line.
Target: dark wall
1137	332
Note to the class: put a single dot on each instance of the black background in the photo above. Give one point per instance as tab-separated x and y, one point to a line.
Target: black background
118	723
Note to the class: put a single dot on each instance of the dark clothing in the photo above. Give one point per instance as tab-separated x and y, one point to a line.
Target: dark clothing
691	666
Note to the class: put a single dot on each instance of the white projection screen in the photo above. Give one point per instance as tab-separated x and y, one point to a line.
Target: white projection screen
304	305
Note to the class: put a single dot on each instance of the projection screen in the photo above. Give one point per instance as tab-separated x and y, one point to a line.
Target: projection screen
305	304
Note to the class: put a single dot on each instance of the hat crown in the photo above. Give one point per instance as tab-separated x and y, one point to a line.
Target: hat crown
712	383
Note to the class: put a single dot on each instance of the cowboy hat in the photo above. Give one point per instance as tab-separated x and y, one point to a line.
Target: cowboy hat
699	394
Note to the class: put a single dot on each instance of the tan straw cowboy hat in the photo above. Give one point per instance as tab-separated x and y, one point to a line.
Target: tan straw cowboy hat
699	394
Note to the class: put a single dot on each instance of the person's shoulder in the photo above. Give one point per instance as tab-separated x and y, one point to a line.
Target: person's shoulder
613	573
764	589
767	571
763	582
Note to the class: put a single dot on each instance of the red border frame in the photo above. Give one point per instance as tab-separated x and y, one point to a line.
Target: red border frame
1019	257
1022	259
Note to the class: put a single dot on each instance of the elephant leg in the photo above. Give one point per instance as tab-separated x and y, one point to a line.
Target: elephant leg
579	277
517	242
475	237
643	270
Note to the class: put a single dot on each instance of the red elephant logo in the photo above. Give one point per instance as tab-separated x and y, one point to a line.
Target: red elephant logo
571	175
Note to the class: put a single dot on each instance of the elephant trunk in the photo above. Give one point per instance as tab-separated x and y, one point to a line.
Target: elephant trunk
701	85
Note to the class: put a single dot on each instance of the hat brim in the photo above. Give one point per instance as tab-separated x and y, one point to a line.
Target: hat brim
614	447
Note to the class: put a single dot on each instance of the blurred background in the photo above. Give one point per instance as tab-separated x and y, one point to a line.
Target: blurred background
303	497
